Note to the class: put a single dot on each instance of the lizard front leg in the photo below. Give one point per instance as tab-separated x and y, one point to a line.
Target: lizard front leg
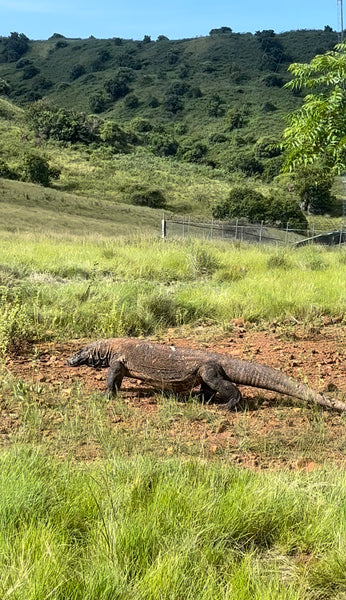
115	375
215	383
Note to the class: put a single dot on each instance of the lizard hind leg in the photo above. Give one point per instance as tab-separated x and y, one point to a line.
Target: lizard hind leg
216	385
116	373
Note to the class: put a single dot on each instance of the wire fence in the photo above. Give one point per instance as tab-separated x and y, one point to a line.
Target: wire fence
173	226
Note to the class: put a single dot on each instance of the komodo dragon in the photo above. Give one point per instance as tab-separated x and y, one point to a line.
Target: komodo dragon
180	370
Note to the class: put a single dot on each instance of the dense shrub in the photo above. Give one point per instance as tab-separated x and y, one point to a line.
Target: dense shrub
77	71
195	152
173	104
37	170
113	135
29	72
217	138
162	145
141	125
98	102
153	102
41	83
49	121
6	171
249	165
272	168
148	197
220	31
131	101
273	81
314	186
216	106
235	118
255	207
15	46
178	88
267	147
117	88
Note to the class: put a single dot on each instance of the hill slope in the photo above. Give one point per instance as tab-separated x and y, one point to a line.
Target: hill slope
223	91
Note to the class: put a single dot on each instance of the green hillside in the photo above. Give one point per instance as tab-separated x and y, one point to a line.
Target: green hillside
207	100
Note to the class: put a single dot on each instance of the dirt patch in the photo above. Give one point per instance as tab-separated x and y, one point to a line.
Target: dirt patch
267	432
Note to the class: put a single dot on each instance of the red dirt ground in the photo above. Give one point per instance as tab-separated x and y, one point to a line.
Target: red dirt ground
315	355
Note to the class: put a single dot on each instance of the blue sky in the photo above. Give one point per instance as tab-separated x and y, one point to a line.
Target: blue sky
39	19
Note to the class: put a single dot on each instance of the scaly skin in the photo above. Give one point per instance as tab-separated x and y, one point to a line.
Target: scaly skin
180	370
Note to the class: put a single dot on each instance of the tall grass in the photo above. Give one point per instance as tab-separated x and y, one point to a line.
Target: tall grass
67	287
147	530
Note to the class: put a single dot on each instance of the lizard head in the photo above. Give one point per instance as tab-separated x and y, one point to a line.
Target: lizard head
93	355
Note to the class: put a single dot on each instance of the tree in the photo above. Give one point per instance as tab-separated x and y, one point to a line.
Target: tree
77	71
313	186
15	46
255	207
37	170
117	88
317	131
51	122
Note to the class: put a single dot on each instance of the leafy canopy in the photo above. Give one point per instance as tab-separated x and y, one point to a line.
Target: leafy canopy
317	131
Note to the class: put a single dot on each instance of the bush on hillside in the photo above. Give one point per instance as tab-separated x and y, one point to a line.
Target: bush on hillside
267	147
195	152
131	101
272	168
51	122
98	102
273	81
117	88
152	198
235	118
216	106
163	145
314	186
15	46
6	171
76	72
113	135
249	165
255	207
37	170
173	104
141	125
220	31
29	72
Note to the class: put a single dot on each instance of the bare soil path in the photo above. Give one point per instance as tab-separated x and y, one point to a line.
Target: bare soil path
270	432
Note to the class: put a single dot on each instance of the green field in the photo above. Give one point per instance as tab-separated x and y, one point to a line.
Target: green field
65	287
145	529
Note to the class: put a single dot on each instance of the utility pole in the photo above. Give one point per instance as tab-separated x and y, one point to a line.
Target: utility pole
340	20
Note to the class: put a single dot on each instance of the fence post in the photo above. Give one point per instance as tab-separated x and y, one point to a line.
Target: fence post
341	236
260	235
163	227
183	228
211	229
236	229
